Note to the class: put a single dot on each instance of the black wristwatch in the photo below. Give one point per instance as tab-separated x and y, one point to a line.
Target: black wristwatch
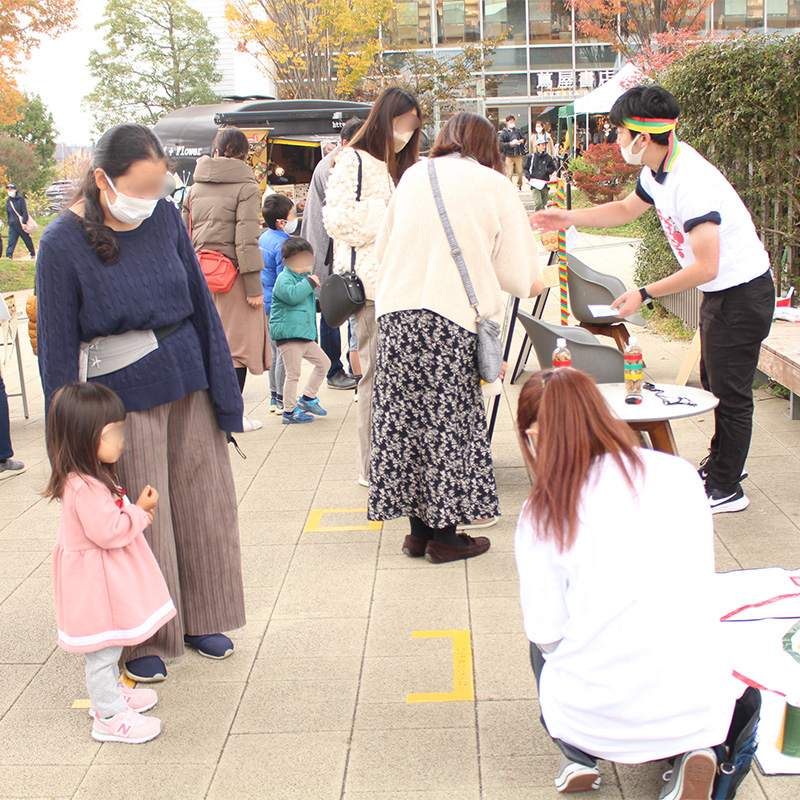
646	298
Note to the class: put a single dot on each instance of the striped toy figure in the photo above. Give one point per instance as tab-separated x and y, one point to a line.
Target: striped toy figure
561	202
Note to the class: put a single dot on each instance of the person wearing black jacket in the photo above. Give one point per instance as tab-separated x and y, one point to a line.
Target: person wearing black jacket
539	166
17	212
607	135
513	147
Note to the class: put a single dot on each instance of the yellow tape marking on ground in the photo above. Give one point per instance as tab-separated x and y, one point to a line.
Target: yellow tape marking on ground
314	521
85	703
463	684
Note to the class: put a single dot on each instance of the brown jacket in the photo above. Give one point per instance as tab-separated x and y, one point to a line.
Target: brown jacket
222	211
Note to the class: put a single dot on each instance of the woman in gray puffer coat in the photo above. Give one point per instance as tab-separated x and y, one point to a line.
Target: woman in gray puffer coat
222	211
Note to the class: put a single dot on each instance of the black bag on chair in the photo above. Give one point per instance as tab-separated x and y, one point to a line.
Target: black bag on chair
342	295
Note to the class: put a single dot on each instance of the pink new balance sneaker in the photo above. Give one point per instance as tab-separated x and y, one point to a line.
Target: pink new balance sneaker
130	726
140	700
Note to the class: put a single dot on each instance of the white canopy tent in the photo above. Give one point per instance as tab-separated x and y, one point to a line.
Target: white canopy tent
604	96
601	99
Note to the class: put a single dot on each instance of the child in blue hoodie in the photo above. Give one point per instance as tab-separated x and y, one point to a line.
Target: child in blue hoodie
280	216
293	328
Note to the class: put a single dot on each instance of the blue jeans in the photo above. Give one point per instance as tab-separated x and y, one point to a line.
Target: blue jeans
6	450
330	340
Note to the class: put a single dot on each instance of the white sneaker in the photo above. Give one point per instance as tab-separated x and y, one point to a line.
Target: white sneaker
130	727
362	481
692	777
574	777
721	503
250	424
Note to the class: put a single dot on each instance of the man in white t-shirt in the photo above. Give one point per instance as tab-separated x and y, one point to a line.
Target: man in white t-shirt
715	242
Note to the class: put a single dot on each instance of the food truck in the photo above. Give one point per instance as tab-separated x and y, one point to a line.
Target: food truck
287	137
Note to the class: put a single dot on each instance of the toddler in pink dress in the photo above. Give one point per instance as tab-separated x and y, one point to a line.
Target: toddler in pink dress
109	590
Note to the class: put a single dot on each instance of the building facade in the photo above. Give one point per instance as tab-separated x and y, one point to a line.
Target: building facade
546	61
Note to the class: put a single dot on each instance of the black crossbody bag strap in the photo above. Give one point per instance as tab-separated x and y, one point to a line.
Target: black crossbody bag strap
358	199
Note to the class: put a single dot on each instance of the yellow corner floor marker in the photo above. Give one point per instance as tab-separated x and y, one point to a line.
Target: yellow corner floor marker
463	683
314	522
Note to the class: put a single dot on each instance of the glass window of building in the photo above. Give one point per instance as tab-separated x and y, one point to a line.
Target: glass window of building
783	14
457	21
509	85
410	26
508	59
730	14
549	21
501	16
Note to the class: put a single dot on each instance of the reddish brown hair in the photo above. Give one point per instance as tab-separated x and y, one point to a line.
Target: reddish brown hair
376	135
576	427
470	135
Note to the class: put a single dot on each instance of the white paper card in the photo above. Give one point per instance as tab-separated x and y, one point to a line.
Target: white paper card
603	311
537	184
572	238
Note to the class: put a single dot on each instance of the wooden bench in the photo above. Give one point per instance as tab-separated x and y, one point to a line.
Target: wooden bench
780	360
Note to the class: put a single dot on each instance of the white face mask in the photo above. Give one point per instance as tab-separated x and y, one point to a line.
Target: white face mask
539	129
291	226
634	159
12	192
129	210
511	125
401	140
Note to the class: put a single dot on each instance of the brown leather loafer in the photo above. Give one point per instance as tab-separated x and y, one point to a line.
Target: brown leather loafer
414	546
438	553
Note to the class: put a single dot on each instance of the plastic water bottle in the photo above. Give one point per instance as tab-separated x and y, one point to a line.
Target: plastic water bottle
561	355
633	372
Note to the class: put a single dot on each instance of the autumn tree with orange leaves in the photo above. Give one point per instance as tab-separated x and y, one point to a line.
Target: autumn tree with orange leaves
22	22
653	32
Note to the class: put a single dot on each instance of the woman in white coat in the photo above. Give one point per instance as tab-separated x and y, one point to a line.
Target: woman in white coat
361	183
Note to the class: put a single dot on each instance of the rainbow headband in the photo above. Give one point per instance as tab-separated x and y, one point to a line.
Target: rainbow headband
643	125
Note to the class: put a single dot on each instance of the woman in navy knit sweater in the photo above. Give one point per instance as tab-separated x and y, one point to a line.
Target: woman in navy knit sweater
122	301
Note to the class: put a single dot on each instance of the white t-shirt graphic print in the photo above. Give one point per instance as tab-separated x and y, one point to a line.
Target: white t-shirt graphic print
695	191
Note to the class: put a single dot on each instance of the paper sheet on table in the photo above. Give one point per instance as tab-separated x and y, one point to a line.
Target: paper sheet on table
603	311
761	638
537	184
753	594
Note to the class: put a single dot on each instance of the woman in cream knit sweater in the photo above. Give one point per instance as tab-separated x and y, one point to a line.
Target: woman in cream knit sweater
385	146
431	459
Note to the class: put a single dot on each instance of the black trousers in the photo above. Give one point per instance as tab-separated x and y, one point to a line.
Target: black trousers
733	323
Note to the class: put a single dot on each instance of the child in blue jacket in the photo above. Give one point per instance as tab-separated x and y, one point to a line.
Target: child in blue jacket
293	328
280	216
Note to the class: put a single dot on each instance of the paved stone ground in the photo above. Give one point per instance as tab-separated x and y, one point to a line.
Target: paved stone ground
313	703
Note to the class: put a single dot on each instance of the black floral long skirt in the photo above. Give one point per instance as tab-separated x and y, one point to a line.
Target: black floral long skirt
430	455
